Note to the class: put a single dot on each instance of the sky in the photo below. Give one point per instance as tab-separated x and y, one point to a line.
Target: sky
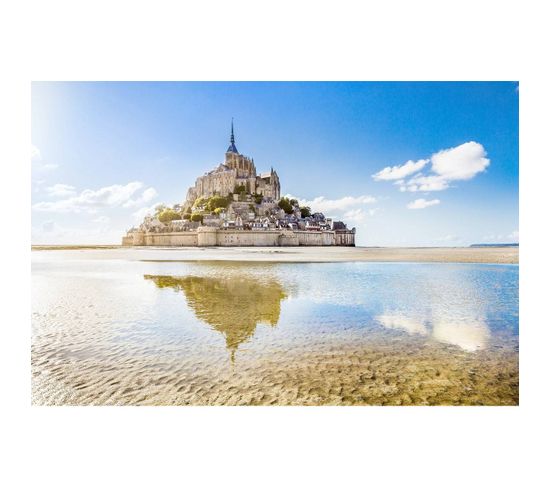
406	163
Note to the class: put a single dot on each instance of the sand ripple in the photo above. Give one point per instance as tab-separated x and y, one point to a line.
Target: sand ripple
126	333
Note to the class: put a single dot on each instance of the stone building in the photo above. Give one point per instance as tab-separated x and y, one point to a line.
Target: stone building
251	213
236	171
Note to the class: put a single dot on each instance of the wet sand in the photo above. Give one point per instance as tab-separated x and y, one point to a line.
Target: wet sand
131	327
380	374
495	255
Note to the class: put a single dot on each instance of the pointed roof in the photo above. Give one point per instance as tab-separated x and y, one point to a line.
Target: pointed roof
232	148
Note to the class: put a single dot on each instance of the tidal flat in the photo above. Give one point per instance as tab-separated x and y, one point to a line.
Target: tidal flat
201	327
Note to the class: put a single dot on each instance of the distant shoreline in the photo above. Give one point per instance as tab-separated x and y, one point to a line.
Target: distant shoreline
482	254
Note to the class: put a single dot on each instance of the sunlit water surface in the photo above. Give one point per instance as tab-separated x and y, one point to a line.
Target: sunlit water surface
128	332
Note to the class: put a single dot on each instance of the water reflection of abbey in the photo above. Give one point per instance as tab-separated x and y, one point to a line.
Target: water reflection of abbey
232	306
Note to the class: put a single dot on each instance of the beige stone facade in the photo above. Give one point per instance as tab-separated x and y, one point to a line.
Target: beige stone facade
237	170
212	237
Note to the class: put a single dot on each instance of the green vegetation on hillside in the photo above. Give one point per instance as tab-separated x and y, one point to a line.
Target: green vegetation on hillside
285	204
199	202
167	215
216	202
212	203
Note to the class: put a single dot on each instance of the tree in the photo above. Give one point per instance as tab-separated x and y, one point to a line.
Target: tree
305	212
187	215
293	202
216	202
219	210
196	217
285	204
167	215
239	189
159	209
258	198
199	202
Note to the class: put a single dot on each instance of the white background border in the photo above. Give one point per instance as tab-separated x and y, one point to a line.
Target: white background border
284	40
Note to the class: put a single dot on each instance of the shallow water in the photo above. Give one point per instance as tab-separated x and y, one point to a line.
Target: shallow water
109	331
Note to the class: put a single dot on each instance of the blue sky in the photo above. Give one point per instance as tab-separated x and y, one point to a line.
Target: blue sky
405	163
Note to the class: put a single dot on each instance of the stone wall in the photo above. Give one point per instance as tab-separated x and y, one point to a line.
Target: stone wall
170	239
210	236
262	238
344	237
316	238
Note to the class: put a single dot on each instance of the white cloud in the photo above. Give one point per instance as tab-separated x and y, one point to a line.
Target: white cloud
140	214
359	215
422	203
400	172
514	236
145	197
61	190
92	200
458	163
325	205
425	183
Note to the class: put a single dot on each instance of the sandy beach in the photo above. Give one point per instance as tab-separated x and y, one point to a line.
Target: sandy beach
337	373
497	255
241	326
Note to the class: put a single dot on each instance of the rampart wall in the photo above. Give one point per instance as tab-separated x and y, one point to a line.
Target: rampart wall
210	236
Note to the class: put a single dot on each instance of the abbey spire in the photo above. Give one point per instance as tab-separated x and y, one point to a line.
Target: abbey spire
232	148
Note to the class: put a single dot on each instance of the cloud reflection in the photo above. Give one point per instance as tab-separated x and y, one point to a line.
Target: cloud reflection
470	334
410	325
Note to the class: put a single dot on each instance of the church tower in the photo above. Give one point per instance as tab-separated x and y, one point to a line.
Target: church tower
232	148
232	154
244	166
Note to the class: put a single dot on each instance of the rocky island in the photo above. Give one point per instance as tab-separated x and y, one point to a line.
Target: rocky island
233	205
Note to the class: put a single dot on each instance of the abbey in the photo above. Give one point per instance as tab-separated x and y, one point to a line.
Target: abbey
233	205
236	171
